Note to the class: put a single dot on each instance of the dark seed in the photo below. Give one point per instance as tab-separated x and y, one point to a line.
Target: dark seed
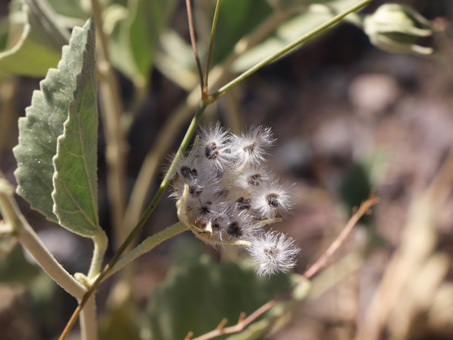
244	203
255	179
205	209
195	191
272	200
188	173
211	151
234	230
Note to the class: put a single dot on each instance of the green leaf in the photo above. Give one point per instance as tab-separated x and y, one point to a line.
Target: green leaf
35	39
135	33
197	296
45	119
75	177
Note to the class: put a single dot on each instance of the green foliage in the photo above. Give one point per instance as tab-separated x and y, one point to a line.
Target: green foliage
35	39
135	33
62	122
236	19
75	179
197	296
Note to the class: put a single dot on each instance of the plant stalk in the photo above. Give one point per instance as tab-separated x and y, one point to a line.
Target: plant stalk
147	245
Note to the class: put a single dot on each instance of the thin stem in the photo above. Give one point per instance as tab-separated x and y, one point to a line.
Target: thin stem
323	260
100	246
30	241
114	134
289	47
141	223
193	41
211	44
147	245
88	323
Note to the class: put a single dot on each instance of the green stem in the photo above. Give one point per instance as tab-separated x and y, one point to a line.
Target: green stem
289	47
30	241
147	245
211	43
100	246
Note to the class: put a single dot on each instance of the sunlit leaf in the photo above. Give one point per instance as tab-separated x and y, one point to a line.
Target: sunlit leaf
75	178
67	96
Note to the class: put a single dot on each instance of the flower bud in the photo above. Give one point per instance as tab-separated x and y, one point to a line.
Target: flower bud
397	28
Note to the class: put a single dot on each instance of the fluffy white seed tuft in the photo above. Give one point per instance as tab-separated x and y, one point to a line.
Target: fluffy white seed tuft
273	252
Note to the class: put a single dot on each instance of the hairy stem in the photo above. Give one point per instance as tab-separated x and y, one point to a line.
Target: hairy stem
100	246
147	245
30	241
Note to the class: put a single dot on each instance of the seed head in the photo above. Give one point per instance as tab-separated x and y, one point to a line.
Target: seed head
225	195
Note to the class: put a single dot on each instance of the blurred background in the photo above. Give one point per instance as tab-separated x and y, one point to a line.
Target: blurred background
349	119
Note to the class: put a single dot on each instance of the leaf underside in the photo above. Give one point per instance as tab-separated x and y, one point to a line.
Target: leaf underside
63	118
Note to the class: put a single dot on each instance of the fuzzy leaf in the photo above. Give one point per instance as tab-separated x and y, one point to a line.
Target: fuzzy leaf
75	180
44	123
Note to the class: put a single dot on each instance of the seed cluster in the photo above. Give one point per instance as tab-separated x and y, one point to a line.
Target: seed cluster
225	195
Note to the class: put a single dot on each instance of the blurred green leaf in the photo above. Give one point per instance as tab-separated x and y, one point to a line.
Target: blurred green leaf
135	33
14	268
35	39
69	8
175	60
315	13
45	119
197	296
75	177
361	179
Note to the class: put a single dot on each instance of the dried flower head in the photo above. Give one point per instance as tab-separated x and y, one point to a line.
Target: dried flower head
225	195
